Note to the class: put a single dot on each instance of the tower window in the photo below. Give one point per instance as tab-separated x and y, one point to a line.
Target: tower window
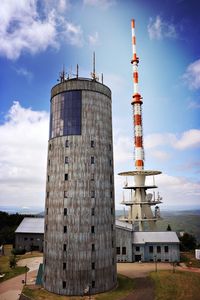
47	194
49	146
92	144
93	265
92	177
111	194
92	229
92	194
49	162
66	160
66	143
66	177
47	210
118	250
93	284
111	210
48	178
65	194
93	247
110	147
110	162
64	266
65	211
65	229
64	247
111	226
124	250
64	284
111	179
92	160
92	211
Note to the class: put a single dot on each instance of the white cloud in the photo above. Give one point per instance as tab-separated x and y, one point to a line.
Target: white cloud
192	75
73	34
188	139
159	154
23	155
194	105
122	149
100	3
93	39
159	29
29	27
24	72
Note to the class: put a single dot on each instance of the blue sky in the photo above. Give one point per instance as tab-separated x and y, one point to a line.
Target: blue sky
38	37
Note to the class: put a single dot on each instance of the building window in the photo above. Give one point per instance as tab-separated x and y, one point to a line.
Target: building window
92	194
31	239
166	249
92	229
25	239
92	159
64	247
64	284
93	265
93	211
93	284
65	194
93	247
66	143
124	250
64	266
137	248
150	249
65	211
66	159
118	250
158	249
65	229
66	177
92	144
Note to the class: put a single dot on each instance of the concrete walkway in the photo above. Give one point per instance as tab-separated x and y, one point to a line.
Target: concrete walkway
11	288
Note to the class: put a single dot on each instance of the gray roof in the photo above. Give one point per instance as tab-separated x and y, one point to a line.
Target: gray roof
142	237
31	225
123	225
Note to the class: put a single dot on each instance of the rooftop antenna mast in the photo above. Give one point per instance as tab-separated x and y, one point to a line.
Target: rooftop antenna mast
93	74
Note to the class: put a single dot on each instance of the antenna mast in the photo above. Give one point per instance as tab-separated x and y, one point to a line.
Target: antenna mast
137	108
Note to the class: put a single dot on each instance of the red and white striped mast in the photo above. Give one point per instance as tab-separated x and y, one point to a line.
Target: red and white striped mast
137	107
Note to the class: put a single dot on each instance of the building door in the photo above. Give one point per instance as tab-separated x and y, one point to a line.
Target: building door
138	257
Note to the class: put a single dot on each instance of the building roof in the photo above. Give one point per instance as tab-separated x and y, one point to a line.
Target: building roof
123	225
31	225
142	237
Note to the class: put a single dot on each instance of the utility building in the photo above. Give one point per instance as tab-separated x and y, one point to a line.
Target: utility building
79	248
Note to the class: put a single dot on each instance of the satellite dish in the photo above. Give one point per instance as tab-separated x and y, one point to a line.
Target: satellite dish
149	197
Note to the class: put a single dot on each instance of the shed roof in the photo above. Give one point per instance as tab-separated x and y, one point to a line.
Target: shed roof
31	225
124	225
142	237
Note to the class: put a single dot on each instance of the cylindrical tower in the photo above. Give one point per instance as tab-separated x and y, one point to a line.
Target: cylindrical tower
79	252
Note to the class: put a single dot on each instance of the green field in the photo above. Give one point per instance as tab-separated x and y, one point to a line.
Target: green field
176	286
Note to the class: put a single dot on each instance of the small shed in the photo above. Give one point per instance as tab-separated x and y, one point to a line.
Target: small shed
29	235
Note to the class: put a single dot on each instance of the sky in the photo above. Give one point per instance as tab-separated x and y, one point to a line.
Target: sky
38	37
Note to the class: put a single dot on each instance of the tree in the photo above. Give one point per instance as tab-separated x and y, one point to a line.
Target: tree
188	242
169	228
13	261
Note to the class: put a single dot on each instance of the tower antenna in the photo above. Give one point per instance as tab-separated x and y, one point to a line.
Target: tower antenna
137	107
93	74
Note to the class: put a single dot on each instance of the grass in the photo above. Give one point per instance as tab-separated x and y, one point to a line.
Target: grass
177	286
125	286
5	266
189	259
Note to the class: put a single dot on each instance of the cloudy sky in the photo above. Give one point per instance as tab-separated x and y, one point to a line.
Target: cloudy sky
38	37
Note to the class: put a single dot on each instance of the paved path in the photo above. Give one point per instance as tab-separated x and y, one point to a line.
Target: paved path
11	288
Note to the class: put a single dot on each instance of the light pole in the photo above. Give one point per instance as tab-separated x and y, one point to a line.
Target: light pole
25	275
155	259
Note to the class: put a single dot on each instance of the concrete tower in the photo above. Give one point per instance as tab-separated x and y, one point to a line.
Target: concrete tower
79	252
140	202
